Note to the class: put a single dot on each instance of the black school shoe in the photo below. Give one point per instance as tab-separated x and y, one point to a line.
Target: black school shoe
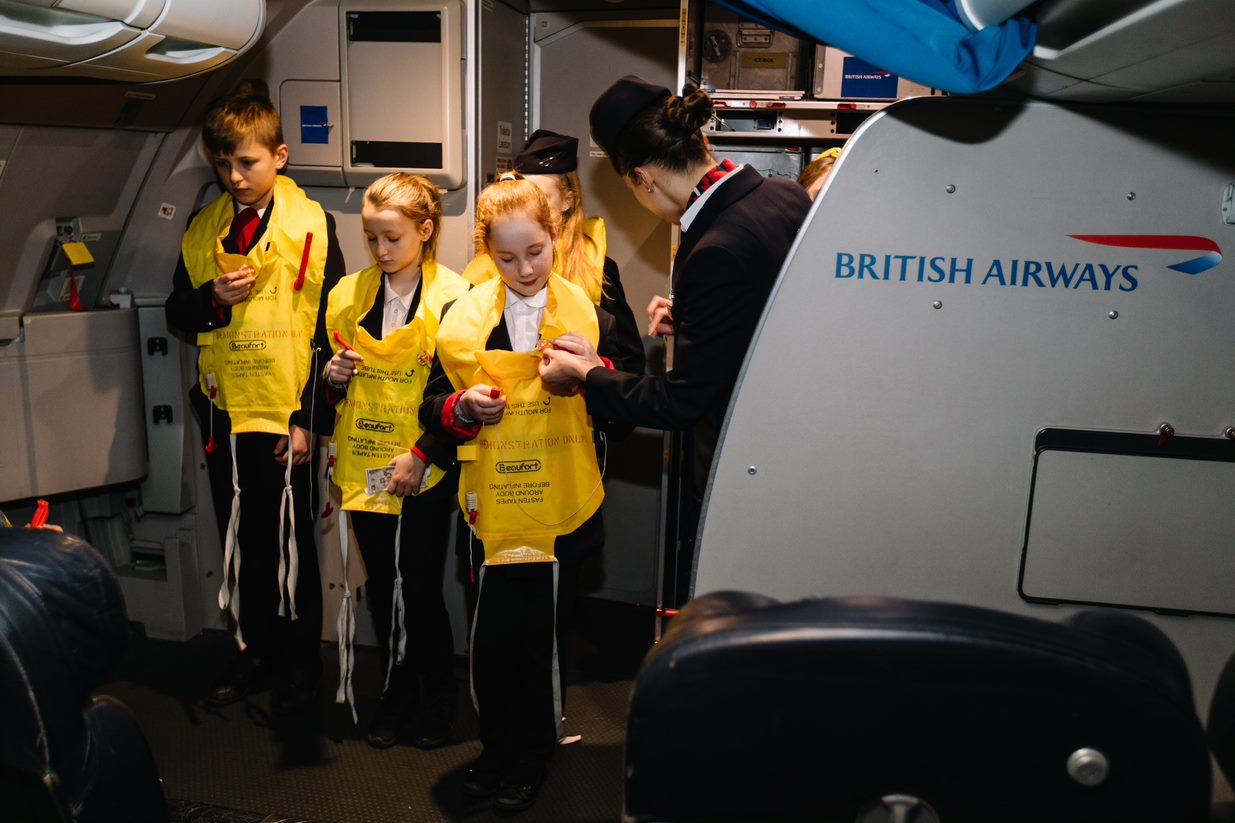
241	677
433	724
297	692
482	778
519	790
388	722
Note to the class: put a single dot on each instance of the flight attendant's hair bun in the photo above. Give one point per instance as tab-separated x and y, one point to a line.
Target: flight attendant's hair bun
690	112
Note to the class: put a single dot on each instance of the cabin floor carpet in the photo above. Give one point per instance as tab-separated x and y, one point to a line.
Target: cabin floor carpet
240	764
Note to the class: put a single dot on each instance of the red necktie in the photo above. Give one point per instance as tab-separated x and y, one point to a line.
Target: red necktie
243	227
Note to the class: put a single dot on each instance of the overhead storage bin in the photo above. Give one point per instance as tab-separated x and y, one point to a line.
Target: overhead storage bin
128	40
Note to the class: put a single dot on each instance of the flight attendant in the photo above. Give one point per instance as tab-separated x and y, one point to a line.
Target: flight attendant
737	228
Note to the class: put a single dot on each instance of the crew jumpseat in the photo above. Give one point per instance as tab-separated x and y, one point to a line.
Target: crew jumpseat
874	710
63	755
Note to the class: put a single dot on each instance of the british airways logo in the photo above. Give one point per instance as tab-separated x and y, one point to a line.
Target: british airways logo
1091	275
1175	242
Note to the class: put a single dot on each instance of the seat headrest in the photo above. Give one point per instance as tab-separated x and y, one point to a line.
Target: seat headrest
823	709
62	625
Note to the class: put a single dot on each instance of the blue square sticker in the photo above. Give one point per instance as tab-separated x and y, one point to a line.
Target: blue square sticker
314	125
861	79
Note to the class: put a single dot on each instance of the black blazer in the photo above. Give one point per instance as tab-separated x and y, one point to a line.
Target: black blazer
723	272
627	339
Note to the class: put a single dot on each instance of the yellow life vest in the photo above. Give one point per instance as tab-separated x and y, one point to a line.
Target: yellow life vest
533	476
482	268
261	360
378	419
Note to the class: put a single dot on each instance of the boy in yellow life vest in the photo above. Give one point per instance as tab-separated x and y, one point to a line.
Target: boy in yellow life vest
255	265
530	482
382	324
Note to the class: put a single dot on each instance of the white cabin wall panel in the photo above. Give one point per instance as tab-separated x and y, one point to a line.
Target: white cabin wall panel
175	184
73	415
900	458
50	172
575	57
312	136
592	54
301	66
502	104
402	67
306	48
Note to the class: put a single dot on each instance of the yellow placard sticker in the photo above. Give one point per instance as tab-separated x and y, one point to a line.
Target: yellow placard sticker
766	60
523	554
77	253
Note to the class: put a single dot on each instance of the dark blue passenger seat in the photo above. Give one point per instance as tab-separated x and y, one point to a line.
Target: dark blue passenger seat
63	754
875	710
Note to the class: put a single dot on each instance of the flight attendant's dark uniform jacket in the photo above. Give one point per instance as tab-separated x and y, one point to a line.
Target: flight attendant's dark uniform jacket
723	273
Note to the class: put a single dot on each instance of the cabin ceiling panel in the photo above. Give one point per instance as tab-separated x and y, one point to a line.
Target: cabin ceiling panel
1117	50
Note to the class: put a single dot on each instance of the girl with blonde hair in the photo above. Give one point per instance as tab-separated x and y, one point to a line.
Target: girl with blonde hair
382	325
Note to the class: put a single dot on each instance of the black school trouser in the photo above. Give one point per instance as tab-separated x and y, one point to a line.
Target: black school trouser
290	644
513	636
423	545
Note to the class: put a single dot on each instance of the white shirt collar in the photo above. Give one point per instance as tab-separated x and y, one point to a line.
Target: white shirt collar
388	294
691	213
260	212
537	301
397	307
523	315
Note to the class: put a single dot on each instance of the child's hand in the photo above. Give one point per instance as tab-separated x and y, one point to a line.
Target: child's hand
660	316
233	287
409	471
479	403
343	366
300	440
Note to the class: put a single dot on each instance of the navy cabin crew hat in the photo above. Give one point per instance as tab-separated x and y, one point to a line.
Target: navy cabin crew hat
547	152
614	109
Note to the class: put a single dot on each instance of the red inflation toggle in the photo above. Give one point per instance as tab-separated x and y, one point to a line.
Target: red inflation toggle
304	262
661	611
338	338
75	303
41	510
211	446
